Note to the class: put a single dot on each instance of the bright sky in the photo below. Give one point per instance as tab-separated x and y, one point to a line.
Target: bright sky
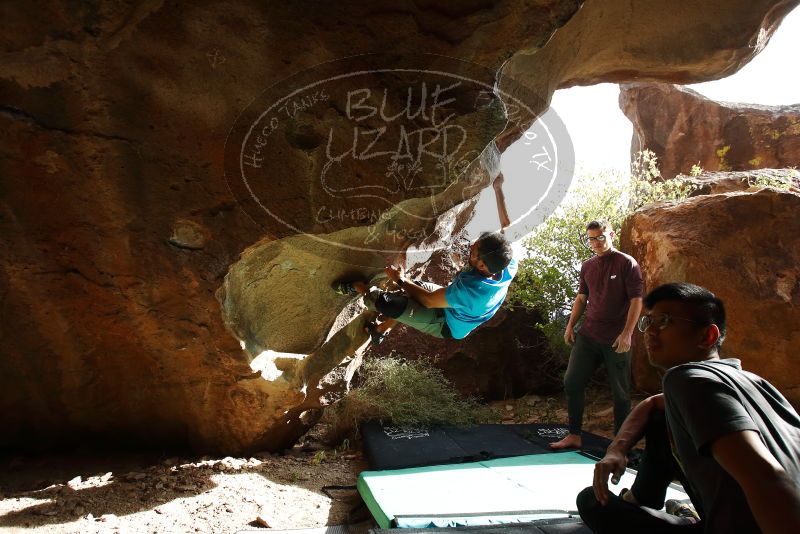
601	134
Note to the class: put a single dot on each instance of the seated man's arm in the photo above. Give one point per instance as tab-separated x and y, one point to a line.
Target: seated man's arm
774	498
429	299
615	461
633	427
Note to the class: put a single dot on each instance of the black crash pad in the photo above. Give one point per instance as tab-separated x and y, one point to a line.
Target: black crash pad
389	447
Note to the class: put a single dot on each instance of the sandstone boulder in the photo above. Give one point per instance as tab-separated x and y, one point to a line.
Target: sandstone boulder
745	247
683	128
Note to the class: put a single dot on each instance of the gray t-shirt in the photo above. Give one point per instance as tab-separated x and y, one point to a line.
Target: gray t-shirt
704	401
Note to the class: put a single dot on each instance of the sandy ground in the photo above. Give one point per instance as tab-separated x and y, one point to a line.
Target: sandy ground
136	493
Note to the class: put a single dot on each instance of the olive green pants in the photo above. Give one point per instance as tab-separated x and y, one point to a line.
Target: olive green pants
408	311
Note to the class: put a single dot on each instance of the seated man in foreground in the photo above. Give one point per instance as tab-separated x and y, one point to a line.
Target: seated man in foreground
452	312
728	435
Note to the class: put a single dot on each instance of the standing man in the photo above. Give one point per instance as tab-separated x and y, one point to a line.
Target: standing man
728	435
611	293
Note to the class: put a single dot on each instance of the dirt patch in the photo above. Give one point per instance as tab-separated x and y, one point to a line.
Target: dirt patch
135	493
178	495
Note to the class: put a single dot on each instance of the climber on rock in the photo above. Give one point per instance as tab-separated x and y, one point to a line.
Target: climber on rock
451	312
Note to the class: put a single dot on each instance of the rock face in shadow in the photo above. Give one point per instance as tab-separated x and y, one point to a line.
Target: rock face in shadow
139	280
502	359
745	247
683	128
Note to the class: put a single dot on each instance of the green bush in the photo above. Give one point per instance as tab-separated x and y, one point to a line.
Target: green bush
403	393
547	279
778	182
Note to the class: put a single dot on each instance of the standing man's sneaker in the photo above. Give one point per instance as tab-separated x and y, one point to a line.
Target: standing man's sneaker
681	509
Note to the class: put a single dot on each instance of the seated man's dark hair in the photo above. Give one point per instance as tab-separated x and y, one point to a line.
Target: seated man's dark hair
495	251
602	224
708	309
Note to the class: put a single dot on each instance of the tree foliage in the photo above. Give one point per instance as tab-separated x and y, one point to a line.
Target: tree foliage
547	279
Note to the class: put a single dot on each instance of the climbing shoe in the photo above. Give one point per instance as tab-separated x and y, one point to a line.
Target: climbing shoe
375	337
345	288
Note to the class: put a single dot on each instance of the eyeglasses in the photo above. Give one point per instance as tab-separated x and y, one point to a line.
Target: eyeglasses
660	322
587	240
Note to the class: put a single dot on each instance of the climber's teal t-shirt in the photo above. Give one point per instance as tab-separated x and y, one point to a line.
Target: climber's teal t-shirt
474	299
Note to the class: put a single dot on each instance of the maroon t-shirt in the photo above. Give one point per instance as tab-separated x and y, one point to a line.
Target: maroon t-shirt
609	281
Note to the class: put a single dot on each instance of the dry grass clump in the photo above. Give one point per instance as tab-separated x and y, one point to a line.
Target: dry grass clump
403	393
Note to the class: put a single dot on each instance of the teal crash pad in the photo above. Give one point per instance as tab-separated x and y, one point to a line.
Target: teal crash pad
507	490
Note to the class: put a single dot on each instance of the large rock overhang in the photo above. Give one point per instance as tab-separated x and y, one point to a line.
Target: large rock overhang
119	227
